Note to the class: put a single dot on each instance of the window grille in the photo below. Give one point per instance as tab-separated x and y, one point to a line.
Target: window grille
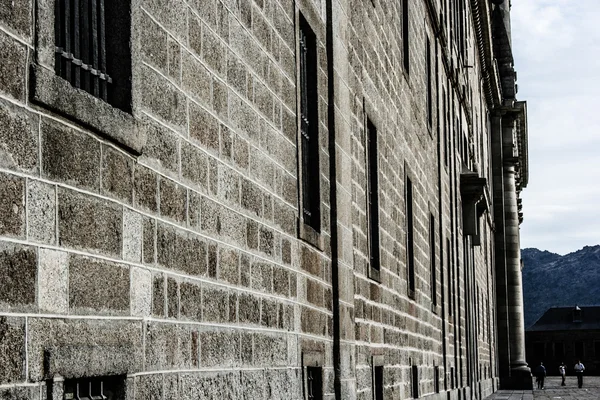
373	194
98	388
81	45
309	131
314	383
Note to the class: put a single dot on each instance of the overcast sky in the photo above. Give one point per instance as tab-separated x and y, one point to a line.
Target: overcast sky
556	46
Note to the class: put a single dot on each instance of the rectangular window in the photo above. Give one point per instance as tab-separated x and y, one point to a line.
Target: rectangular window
378	382
436	379
309	127
106	387
415	381
446	116
314	383
429	84
432	260
449	267
373	195
405	38
92	48
410	242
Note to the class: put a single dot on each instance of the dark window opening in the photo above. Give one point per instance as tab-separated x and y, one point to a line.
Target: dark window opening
92	48
107	388
579	352
432	260
452	379
373	195
436	379
415	381
449	267
314	383
410	245
429	84
405	42
378	382
309	127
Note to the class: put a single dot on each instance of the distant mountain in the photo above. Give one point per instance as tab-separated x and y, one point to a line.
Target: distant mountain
552	280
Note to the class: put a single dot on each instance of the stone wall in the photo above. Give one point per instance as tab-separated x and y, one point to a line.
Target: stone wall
166	245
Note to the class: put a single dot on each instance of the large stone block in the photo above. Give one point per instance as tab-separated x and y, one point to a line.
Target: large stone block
171	346
41	212
215	302
158	296
149	246
141	292
90	347
181	251
98	286
204	128
196	79
154	43
270	350
20	393
253	385
12	350
249	308
210	385
12	205
191	301
173	298
149	387
16	15
69	156
194	166
117	174
162	149
173	200
229	265
132	236
18	137
283	384
13	67
220	348
146	188
18	269
53	281
89	223
162	99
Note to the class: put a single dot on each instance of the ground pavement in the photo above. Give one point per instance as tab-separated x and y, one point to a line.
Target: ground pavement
553	390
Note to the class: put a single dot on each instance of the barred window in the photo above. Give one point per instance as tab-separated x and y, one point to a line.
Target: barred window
107	388
373	195
314	383
92	48
309	127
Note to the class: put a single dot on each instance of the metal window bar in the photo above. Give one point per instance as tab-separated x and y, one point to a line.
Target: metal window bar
314	383
80	36
304	127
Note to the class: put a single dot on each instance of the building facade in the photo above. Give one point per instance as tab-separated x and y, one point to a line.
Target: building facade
566	334
260	199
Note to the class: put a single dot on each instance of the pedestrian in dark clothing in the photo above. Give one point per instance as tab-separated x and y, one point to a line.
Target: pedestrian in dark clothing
562	370
579	368
540	374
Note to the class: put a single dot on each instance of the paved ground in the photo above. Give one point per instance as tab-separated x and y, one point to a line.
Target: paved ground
553	390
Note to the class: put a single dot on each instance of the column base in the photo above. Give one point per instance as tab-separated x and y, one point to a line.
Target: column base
519	379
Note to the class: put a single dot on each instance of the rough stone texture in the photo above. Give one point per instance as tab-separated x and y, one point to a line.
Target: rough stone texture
53	281
132	236
170	346
12	350
145	191
117	174
17	16
98	286
69	156
75	348
173	200
41	212
13	68
12	205
89	223
210	385
141	292
18	268
158	296
18	137
149	387
20	393
181	250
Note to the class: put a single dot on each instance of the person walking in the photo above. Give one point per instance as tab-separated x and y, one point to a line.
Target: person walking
540	374
562	370
579	368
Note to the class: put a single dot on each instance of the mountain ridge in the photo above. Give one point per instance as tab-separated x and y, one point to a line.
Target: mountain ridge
554	280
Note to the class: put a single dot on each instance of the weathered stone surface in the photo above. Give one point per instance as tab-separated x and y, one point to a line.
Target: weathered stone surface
262	276
283	384
12	205
146	185
89	223
13	67
98	286
17	16
20	393
197	80
215	302
87	347
53	281
194	166
18	138
41	212
170	346
162	99
210	385
149	246
248	308
181	251
154	43
204	128
158	296
191	301
162	149
173	200
270	350
132	236
174	59
173	298
18	269
117	174
220	347
253	384
149	387
229	265
69	156
141	292
12	350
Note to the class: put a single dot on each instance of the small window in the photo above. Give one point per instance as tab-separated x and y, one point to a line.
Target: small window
433	270
405	38
314	383
450	278
92	48
309	128
436	379
107	388
410	245
378	382
373	195
429	84
414	376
